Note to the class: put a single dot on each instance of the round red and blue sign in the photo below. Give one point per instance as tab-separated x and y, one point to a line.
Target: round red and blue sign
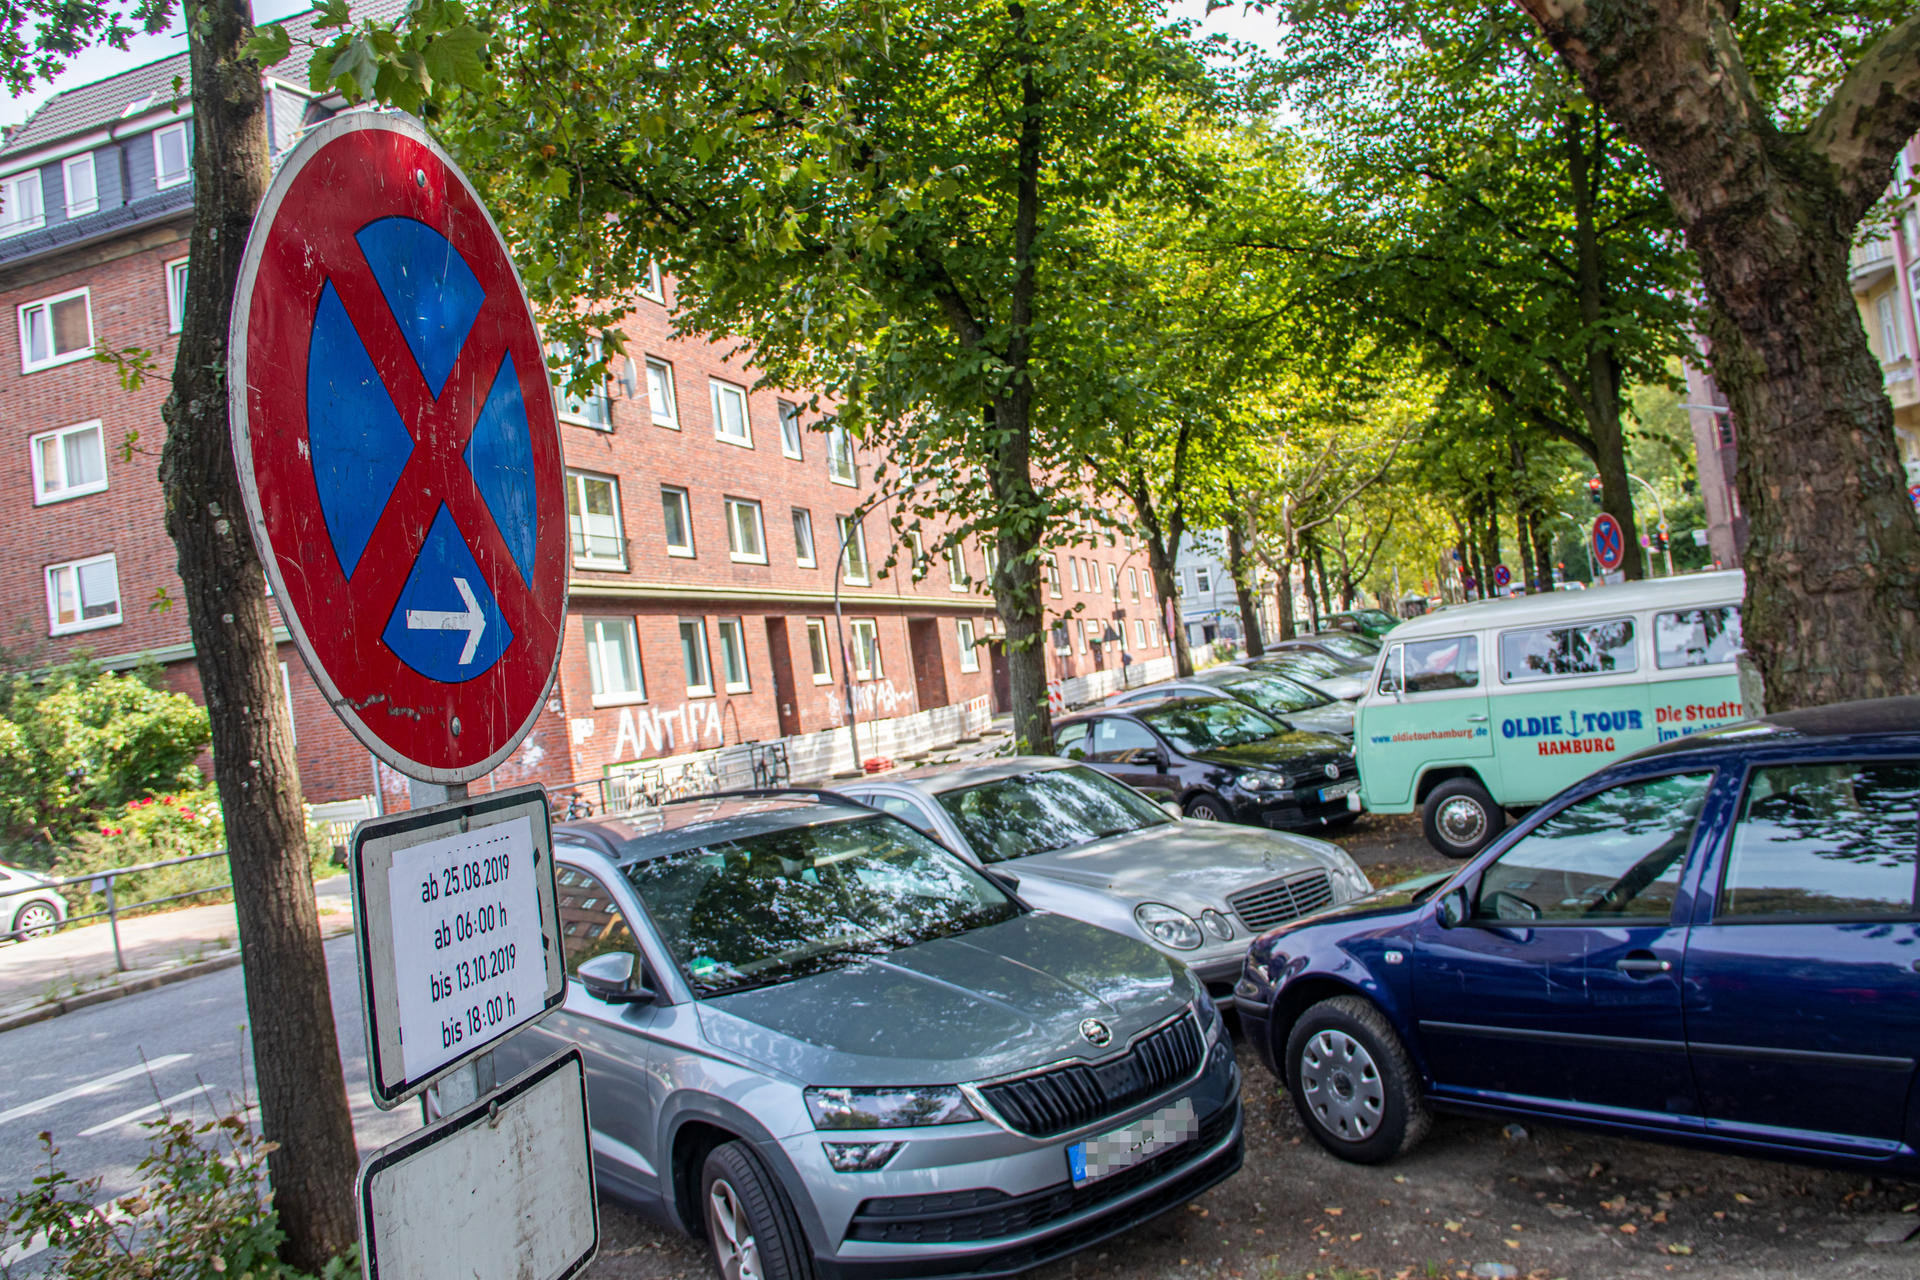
1609	542
397	445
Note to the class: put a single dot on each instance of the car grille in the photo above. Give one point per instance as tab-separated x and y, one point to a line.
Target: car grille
1066	1098
988	1214
1266	905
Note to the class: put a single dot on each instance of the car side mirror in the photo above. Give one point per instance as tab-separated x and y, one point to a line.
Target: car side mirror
1005	879
616	978
1172	809
1453	908
1160	760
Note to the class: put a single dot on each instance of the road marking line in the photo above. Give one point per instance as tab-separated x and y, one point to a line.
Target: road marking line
140	1112
91	1087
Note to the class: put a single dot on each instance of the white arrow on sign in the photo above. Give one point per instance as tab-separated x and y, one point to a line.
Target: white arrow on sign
471	621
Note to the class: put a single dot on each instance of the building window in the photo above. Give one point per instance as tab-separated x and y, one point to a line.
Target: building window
817	651
595	409
83	594
83	193
176	294
56	330
1202	580
1062	639
693	651
21	209
957	577
68	463
170	156
789	428
1113	582
840	465
1893	342
1053	575
613	662
1133	585
854	539
1084	630
1139	634
1073	572
991	554
866	649
679	520
733	655
746	536
666	411
651	288
803	538
969	656
730	413
593	521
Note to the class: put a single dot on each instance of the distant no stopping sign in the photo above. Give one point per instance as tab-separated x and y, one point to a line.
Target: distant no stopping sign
1609	542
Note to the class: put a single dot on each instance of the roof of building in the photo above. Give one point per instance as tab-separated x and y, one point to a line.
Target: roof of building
151	86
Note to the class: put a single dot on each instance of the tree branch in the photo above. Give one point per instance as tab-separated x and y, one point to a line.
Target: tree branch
1872	114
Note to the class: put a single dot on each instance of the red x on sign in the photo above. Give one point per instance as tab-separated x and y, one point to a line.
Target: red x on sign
398	449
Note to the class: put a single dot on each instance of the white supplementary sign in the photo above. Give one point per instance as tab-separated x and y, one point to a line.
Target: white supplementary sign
501	1189
466	940
458	931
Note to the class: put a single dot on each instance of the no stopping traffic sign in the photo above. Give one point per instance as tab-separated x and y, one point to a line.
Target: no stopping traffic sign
398	449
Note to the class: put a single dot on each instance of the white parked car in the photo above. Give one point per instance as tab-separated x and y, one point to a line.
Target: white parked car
30	908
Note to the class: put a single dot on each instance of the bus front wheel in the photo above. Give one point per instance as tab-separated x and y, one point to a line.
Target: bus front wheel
1459	817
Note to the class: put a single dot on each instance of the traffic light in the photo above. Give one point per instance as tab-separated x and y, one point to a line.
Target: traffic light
1660	539
1593	490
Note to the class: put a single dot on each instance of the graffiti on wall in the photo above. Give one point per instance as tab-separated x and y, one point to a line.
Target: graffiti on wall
872	699
655	729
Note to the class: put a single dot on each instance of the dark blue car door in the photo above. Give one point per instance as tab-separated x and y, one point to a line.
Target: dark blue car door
1562	990
1802	995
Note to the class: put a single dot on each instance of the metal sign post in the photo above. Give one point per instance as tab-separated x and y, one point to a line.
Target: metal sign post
399	457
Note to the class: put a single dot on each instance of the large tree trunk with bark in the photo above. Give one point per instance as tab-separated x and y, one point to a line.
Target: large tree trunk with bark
1834	550
1240	565
1166	587
296	1057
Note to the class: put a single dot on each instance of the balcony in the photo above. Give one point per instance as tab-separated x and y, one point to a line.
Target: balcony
1871	263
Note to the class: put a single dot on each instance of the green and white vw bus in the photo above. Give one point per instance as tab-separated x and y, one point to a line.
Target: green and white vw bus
1485	707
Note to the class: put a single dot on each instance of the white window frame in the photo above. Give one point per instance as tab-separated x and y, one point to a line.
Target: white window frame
651	289
669	415
1053	575
840	449
577	486
789	418
627	636
176	294
1081	632
66	492
804	554
68	167
83	623
1202	581
817	627
10	187
958	579
1139	634
718	389
1133	584
47	304
867	662
563	370
160	179
739	650
734	509
969	655
1073	572
1062	638
1893	340
705	655
682	551
853	533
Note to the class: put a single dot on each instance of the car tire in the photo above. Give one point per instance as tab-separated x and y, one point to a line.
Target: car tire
34	919
1208	807
750	1227
1460	818
1353	1083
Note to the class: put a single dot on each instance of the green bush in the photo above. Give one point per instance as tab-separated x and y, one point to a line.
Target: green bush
151	829
201	1213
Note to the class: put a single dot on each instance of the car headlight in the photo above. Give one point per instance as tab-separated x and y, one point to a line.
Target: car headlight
888	1108
1264	782
1167	926
1216	924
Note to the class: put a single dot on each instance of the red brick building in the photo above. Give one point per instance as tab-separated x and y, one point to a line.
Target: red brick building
705	515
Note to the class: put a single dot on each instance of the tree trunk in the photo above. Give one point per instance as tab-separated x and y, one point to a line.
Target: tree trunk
1523	539
1241	566
296	1056
1283	596
1542	552
1309	588
1166	586
1834	549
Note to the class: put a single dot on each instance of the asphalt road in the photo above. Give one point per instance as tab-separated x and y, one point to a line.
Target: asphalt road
91	1077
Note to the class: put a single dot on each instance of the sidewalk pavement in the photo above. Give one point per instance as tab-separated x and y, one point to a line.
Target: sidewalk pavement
72	962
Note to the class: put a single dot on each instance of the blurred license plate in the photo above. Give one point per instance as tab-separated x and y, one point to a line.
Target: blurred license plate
1339	789
1125	1147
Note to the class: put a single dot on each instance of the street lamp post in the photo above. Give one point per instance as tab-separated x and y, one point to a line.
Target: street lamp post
1667	533
1586	544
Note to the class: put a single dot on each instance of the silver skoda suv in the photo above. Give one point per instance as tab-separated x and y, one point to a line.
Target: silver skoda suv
833	1048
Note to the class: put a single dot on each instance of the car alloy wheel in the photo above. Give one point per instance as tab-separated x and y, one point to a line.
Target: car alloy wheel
34	919
734	1247
1205	810
1341	1084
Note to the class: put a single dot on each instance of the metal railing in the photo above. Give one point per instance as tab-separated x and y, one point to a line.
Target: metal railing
102	882
647	786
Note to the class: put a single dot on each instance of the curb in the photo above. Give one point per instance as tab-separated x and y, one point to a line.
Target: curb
133	986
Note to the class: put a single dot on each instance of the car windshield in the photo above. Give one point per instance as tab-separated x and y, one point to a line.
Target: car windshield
769	908
1208	726
1307	660
1051	809
1275	695
1350	646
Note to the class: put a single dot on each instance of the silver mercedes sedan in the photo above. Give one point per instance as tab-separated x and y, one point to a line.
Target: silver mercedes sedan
1078	843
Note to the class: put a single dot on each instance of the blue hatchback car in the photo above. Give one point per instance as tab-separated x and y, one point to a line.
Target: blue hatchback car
1714	942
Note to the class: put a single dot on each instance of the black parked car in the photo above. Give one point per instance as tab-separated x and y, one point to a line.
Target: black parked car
1218	758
